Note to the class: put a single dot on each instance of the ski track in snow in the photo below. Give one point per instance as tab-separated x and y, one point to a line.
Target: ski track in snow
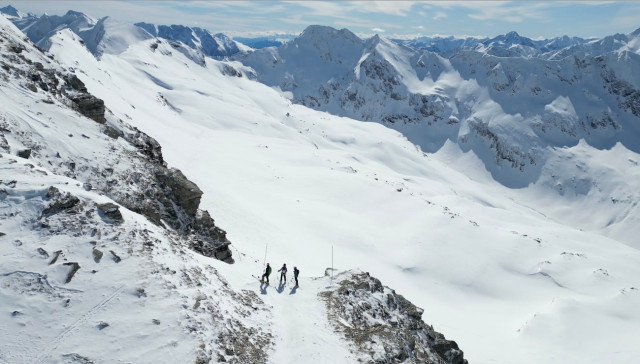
303	333
76	324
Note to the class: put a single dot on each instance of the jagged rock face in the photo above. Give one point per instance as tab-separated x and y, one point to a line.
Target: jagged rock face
185	193
385	325
164	195
90	106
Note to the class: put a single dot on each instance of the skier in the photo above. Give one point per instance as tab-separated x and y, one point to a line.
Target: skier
296	272
283	275
266	274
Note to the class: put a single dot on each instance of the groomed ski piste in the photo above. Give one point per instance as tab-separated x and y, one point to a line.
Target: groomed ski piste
508	284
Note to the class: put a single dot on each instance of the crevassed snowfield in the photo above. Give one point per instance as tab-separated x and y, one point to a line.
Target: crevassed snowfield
490	266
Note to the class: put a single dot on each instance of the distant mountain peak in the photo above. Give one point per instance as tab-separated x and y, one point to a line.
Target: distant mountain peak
326	32
74	13
11	11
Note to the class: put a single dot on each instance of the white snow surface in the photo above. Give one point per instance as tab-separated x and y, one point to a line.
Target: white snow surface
491	267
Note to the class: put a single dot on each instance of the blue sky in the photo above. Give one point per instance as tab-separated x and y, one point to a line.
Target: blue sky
534	19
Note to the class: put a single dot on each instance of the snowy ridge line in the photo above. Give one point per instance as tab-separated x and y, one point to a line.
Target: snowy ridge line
80	321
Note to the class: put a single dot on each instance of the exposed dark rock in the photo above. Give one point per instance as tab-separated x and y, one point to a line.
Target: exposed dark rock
2	234
111	132
385	325
111	211
25	153
16	48
213	242
75	358
86	104
156	321
97	255
89	106
75	83
59	202
102	325
4	145
74	268
56	255
148	146
43	253
185	193
228	70
115	256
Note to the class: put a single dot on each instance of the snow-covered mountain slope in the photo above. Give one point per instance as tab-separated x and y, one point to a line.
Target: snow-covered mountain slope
100	239
516	114
83	278
489	268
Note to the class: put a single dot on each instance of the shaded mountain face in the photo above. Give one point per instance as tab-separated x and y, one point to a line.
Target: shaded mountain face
510	110
11	12
212	45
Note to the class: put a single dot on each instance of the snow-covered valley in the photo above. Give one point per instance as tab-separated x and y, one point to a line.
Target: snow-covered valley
548	272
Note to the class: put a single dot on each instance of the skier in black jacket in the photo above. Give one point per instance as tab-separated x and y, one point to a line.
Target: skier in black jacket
296	272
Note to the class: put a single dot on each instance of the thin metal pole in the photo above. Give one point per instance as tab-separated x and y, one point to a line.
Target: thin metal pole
332	264
264	262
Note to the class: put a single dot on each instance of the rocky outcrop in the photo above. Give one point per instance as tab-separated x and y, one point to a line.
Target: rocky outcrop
85	103
111	211
89	106
74	268
25	153
59	201
385	325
